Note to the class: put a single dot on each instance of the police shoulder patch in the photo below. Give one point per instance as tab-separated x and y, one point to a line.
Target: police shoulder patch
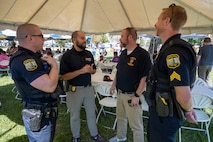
30	64
173	61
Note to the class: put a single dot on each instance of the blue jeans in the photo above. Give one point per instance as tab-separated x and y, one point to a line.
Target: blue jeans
45	134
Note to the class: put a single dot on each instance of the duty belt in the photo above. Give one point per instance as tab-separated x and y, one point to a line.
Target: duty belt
39	106
48	110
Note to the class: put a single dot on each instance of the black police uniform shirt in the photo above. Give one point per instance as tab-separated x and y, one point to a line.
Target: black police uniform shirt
131	68
176	63
25	68
73	60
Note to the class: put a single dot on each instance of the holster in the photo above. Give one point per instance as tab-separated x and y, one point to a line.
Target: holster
35	118
164	104
151	81
149	94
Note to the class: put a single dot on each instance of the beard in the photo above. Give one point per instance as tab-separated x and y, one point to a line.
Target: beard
124	44
81	45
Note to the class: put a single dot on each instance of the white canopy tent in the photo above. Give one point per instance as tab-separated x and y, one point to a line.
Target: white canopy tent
101	16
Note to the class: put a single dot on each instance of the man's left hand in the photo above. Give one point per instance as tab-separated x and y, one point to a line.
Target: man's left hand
191	116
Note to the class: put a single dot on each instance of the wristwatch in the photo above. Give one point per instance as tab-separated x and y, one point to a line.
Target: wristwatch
136	95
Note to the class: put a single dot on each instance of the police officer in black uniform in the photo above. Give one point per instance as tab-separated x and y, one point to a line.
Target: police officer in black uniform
76	66
36	79
171	78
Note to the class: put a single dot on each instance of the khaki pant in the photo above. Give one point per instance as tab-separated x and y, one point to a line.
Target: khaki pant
133	114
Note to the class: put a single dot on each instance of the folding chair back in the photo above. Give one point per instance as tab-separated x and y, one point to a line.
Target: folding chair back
105	100
200	103
200	81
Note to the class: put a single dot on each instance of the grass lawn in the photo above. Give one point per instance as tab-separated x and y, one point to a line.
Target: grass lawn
12	129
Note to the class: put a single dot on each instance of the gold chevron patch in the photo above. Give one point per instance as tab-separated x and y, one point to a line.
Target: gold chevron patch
175	75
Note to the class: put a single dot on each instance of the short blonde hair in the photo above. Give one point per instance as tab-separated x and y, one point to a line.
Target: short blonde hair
177	15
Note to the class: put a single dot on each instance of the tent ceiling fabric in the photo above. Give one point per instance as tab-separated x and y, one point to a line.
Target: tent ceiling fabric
101	16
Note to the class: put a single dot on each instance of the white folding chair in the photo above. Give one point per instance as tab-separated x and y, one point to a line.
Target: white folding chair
15	91
103	67
4	71
114	71
62	98
200	103
145	107
200	81
105	100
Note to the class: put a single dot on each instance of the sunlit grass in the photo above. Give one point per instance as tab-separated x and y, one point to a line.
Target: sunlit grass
9	129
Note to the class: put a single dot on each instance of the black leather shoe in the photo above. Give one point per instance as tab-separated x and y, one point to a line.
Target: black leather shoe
98	138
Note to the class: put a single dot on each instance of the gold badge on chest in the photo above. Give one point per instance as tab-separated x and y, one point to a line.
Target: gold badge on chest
131	61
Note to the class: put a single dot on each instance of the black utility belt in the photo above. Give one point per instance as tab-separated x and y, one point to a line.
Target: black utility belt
39	106
125	92
47	111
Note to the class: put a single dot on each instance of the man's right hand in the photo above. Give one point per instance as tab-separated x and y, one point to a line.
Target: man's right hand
51	61
87	68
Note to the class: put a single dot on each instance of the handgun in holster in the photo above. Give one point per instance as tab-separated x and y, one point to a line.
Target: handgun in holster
35	117
164	104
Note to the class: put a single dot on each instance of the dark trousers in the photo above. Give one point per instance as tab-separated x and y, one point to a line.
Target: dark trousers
162	129
204	73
